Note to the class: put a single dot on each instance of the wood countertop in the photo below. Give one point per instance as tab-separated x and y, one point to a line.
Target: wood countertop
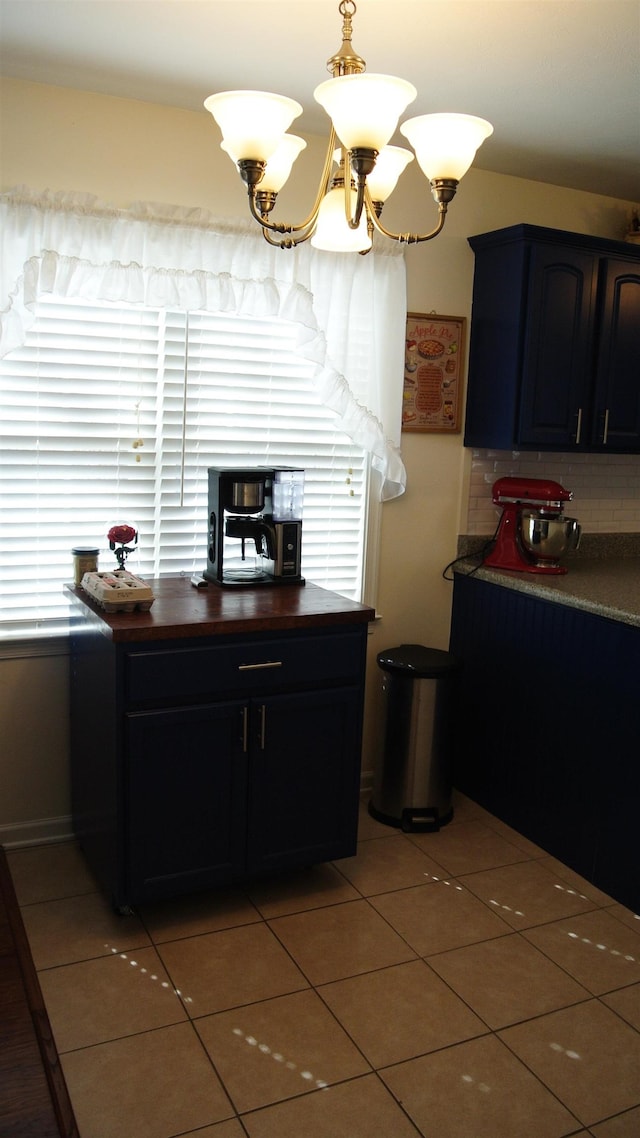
180	610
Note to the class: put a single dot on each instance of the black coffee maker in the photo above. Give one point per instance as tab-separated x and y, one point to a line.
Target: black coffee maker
255	526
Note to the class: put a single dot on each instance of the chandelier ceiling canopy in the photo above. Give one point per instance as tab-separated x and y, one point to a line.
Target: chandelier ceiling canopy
364	109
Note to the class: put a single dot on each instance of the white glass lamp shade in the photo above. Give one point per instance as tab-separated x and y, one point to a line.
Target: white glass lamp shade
332	232
390	163
279	164
365	108
252	122
446	144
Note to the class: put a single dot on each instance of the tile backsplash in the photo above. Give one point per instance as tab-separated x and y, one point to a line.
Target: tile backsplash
606	487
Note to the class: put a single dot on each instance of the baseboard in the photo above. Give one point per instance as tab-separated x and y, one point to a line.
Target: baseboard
38	832
43	831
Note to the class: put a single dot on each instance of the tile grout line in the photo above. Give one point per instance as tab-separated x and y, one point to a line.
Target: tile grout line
510	930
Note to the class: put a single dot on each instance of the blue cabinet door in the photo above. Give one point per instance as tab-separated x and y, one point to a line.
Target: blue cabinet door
557	360
616	424
304	778
185	774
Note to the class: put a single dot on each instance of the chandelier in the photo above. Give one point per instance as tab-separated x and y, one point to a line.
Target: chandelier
364	111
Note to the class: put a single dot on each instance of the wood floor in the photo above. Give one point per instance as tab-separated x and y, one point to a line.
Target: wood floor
34	1102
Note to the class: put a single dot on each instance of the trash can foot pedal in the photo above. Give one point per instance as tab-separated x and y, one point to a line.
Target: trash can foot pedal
413	820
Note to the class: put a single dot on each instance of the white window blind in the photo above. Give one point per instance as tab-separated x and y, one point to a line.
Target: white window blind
198	390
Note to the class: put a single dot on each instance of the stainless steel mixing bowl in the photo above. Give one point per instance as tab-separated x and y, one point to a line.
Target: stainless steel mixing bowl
548	539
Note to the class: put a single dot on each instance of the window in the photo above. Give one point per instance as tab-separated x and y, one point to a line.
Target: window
190	391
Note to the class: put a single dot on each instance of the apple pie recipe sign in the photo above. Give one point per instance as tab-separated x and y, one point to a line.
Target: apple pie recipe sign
433	359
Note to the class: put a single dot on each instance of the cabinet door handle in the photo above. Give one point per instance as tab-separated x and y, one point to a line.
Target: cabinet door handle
579	425
606	427
245	718
253	667
263	720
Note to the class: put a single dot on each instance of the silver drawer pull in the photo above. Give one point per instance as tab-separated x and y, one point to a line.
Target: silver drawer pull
254	667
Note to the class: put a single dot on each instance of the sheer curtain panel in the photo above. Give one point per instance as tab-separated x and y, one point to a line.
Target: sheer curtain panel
117	284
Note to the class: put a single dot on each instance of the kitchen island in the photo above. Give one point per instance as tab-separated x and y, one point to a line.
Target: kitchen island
216	736
548	736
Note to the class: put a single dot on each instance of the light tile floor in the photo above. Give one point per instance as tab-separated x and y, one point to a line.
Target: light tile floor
453	985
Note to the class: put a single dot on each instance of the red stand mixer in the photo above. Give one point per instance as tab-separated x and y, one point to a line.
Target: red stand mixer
533	533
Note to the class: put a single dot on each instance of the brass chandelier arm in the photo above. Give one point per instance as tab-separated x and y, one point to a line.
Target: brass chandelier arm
361	190
269	199
410	238
361	163
287	242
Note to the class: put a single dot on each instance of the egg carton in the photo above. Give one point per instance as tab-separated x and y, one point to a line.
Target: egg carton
119	591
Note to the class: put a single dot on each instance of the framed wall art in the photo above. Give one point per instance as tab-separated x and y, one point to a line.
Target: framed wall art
433	375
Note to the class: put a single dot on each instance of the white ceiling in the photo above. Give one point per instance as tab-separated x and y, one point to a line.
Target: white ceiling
559	79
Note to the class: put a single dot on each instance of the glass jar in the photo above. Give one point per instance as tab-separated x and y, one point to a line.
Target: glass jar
85	560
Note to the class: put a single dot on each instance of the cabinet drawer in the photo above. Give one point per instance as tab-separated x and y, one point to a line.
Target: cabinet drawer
194	673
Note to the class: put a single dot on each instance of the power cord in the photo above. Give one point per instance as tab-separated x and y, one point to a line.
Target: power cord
482	553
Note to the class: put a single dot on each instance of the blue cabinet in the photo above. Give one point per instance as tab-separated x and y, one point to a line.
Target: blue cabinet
548	730
554	359
204	760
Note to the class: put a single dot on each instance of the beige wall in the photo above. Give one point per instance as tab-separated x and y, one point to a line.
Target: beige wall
124	151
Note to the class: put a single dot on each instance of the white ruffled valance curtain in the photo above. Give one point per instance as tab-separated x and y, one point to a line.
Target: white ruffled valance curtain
72	245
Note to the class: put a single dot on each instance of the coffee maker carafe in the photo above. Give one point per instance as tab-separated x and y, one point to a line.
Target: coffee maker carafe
255	526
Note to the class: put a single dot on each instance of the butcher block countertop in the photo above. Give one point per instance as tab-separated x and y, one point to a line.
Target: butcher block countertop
180	610
609	587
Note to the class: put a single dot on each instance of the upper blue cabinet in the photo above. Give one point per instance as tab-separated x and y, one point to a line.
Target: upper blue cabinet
554	358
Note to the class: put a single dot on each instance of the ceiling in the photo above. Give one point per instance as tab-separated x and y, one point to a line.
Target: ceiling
559	79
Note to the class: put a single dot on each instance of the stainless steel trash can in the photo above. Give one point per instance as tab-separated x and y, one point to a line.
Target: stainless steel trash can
412	783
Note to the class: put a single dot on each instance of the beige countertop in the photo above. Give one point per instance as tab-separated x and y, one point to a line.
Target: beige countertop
609	587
